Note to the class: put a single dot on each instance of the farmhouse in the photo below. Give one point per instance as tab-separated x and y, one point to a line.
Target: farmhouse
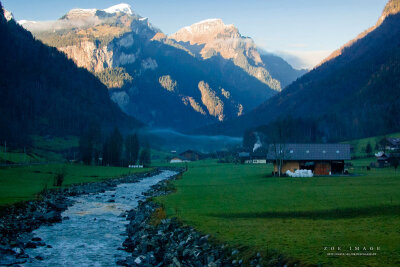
255	157
321	159
190	155
258	156
393	143
382	160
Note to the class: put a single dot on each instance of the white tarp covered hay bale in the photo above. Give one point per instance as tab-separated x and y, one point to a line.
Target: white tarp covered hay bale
135	166
300	173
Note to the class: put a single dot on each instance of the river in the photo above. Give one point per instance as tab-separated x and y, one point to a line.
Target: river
92	229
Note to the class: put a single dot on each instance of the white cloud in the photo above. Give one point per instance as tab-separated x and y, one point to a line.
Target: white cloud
304	59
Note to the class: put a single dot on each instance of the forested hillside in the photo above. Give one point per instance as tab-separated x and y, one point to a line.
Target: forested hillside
355	94
43	92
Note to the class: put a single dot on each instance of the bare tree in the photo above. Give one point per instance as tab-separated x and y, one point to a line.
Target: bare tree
279	146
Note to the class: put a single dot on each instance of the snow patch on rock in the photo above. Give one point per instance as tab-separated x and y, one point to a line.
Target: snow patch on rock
123	8
23	22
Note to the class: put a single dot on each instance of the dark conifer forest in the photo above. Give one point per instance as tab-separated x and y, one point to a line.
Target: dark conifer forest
42	92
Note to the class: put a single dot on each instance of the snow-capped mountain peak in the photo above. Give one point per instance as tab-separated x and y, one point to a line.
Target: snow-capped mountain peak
205	31
218	21
123	8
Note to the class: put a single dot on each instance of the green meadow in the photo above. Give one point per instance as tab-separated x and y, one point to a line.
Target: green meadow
25	183
243	206
51	149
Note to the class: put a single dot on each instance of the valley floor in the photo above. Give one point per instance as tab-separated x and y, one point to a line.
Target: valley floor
243	206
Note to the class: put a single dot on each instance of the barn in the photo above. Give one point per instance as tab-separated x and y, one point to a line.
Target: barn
190	155
321	159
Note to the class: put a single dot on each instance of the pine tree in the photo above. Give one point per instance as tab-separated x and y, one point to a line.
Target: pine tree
132	148
112	149
368	149
89	144
145	156
86	148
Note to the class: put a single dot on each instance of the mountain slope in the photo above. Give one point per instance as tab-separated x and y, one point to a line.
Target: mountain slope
42	92
391	8
280	69
155	78
356	93
184	92
212	37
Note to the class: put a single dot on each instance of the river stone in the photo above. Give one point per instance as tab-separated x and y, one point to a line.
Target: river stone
138	260
30	245
39	258
53	217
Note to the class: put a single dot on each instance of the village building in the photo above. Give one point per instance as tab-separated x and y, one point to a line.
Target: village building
321	159
244	155
393	143
382	160
190	155
255	157
258	156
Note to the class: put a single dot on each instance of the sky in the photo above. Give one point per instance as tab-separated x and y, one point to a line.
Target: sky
302	31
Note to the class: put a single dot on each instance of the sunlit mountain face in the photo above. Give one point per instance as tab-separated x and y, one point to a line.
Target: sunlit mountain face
204	73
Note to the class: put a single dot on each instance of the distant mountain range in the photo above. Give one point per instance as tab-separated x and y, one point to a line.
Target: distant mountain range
204	73
43	92
354	93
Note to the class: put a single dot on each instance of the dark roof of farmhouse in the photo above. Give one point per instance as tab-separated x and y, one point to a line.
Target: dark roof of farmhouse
394	141
190	151
311	152
260	152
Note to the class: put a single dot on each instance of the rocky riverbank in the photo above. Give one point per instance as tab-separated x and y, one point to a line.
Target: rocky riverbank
154	241
18	221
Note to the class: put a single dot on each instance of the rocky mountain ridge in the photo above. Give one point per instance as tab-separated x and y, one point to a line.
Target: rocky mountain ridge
7	14
162	81
212	37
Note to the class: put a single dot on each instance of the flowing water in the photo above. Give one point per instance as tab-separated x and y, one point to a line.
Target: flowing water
95	228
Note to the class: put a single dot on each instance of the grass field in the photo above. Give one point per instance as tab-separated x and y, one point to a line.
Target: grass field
51	149
24	183
241	206
18	157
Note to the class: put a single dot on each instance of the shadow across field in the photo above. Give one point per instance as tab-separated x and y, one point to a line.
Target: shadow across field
343	213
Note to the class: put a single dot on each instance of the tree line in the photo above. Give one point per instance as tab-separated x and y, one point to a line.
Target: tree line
112	150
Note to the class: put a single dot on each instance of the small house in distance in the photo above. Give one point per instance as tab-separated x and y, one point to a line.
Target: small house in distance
190	155
258	156
382	160
253	157
393	143
321	159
